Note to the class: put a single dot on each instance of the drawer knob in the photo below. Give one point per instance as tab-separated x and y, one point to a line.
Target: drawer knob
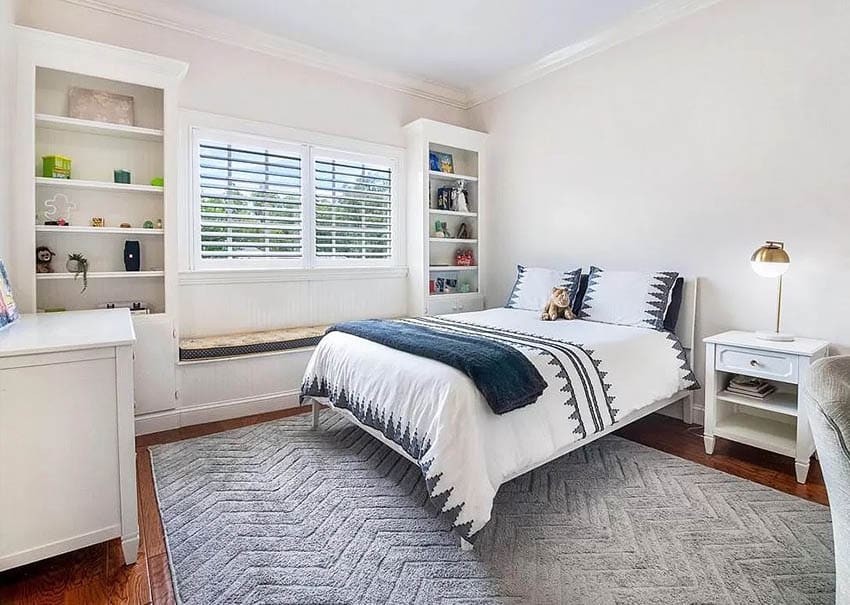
754	363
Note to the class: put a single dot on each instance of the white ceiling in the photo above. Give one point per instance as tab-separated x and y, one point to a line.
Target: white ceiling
460	53
461	44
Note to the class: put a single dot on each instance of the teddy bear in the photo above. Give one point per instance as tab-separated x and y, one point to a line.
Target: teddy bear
558	305
43	257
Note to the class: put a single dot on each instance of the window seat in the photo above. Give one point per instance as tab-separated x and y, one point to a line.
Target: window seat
249	343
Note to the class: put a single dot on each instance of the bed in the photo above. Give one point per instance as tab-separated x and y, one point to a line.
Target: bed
599	378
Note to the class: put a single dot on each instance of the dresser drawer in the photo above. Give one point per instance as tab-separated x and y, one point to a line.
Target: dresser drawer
762	364
447	304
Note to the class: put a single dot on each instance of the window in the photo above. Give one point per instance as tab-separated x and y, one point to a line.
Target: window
353	209
265	204
250	202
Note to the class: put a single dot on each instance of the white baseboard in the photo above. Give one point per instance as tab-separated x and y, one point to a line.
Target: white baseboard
212	412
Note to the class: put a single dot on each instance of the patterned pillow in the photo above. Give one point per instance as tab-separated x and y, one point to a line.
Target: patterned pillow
628	298
534	285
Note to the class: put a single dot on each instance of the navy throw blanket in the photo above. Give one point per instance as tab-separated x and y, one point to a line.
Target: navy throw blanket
503	375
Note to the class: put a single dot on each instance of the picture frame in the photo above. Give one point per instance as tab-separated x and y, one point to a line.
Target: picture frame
8	308
445	162
101	106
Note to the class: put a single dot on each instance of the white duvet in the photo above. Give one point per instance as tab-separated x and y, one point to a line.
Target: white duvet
597	375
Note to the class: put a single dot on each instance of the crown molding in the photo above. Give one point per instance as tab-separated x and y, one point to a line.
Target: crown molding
641	22
211	27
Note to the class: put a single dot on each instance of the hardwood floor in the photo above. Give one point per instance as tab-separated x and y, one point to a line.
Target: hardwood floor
95	575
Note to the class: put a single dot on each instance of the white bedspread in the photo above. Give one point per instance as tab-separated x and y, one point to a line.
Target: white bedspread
597	375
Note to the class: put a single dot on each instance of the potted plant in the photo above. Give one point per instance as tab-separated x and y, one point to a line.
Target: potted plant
76	264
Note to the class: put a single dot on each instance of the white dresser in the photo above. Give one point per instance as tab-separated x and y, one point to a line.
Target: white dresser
67	441
778	423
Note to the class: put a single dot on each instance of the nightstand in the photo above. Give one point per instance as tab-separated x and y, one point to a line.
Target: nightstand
779	422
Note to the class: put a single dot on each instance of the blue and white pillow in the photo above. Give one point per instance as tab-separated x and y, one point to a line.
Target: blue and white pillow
534	285
628	298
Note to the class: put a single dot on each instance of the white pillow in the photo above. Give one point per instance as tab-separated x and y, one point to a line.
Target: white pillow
534	285
628	298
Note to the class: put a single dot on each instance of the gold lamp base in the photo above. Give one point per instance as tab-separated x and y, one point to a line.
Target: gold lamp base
775	336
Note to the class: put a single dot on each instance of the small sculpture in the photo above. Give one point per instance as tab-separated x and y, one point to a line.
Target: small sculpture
148	225
463	231
461	201
43	257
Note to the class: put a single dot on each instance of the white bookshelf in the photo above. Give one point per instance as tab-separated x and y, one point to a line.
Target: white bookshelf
431	256
96	149
49	65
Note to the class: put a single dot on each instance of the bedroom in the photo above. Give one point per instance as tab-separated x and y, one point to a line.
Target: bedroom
633	135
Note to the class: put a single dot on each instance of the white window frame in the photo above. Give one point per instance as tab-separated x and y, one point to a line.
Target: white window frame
200	135
209	127
395	192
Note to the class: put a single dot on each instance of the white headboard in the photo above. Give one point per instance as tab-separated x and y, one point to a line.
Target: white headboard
686	327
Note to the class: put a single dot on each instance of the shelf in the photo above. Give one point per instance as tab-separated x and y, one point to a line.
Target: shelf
450	268
463	294
448	176
43	120
764	433
103	185
780	402
452	213
101	275
97	230
453	240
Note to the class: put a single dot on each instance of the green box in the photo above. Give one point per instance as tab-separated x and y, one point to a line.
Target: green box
56	167
121	176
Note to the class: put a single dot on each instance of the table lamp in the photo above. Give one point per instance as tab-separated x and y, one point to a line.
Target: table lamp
771	260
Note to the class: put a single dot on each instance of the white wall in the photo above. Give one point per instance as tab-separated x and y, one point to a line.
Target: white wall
231	81
686	149
6	94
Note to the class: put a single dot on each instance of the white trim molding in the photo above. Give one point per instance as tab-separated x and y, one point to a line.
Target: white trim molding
213	412
635	25
203	24
199	23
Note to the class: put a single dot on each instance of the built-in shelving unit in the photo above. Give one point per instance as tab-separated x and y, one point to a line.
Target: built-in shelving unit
438	284
96	149
145	145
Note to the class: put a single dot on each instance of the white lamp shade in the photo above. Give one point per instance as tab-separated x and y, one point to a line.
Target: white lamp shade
769	269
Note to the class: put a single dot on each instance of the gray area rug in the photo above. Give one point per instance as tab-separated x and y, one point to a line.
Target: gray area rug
277	513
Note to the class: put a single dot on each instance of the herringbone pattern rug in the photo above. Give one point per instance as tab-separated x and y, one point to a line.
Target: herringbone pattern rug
277	513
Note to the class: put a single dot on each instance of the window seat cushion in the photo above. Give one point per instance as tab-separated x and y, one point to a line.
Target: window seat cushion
250	343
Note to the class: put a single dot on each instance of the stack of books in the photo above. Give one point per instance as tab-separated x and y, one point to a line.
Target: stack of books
750	387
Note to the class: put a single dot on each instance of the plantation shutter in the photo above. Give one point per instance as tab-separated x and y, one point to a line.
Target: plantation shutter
250	204
353	209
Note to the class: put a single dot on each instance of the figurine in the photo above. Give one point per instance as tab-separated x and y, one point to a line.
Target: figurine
460	198
463	231
148	225
43	257
159	223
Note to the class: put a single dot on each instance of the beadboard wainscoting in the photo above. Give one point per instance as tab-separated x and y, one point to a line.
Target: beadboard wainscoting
221	302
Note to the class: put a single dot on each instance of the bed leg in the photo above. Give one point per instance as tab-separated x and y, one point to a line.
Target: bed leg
465	546
315	414
688	409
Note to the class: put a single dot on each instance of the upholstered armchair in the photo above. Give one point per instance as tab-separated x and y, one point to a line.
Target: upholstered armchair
829	392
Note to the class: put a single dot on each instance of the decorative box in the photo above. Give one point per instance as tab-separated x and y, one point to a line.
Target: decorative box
56	167
121	176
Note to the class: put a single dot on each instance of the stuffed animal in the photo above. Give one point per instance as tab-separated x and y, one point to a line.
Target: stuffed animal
558	306
43	257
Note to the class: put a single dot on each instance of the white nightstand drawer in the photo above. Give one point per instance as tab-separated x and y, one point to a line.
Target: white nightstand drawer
762	364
